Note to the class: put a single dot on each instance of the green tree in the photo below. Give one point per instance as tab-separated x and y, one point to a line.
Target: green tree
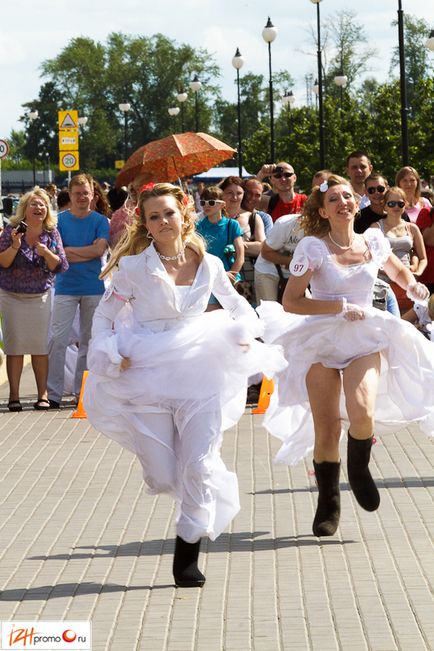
352	56
418	61
147	72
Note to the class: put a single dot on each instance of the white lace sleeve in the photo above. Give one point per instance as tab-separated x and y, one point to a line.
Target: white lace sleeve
308	256
379	245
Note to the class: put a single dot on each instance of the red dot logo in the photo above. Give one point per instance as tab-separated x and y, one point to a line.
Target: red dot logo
68	635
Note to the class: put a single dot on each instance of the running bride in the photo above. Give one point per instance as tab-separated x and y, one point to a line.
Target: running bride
166	378
350	364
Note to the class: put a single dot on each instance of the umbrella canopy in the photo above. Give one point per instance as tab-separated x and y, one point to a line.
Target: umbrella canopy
173	157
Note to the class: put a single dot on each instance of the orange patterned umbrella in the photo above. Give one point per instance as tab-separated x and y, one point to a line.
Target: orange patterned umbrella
173	157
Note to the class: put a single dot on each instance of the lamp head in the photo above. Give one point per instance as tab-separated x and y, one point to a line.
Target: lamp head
237	60
269	32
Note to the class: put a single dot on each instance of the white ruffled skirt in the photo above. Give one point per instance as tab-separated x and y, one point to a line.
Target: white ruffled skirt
187	368
406	386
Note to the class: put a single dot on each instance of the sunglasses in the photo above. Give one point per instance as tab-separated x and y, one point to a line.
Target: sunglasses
210	202
379	188
393	204
285	175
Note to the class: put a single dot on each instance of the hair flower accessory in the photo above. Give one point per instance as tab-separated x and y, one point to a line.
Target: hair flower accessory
147	186
324	186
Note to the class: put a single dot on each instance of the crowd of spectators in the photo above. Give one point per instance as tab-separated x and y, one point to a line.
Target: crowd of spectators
50	264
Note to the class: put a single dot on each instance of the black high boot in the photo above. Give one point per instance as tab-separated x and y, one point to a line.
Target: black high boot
329	500
185	570
361	482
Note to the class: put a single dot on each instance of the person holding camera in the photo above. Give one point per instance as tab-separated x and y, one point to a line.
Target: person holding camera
223	236
283	200
31	253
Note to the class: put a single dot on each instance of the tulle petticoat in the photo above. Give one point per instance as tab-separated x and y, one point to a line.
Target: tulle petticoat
405	394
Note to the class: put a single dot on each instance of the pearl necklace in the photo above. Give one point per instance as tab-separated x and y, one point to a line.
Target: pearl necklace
170	258
344	248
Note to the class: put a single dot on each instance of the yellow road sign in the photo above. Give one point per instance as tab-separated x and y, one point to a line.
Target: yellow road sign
119	164
68	161
68	140
68	119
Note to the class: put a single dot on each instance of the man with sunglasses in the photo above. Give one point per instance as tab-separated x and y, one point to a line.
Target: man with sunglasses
375	188
283	200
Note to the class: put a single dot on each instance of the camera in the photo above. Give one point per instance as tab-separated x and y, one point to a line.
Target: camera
229	250
21	228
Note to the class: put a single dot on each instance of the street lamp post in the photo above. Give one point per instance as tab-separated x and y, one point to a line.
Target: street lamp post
173	111
48	167
320	89
195	85
32	115
269	33
125	107
182	97
403	86
82	121
238	62
341	81
288	100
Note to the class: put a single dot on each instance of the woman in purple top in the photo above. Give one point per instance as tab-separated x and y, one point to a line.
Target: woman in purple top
31	253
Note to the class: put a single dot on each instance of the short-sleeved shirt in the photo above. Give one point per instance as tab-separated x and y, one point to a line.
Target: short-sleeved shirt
218	236
29	273
283	237
280	208
367	217
82	278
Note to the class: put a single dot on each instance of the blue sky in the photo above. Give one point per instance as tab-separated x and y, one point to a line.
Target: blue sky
31	32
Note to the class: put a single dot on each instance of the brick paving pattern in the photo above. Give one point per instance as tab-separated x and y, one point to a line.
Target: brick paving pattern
80	539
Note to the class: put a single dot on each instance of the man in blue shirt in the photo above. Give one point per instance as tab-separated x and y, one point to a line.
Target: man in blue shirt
85	235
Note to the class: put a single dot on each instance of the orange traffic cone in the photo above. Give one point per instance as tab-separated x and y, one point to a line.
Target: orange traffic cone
267	388
80	412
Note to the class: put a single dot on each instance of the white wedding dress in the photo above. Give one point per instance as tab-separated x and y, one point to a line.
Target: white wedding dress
406	388
188	367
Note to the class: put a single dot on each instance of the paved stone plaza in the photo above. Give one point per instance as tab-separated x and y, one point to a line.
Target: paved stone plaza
80	539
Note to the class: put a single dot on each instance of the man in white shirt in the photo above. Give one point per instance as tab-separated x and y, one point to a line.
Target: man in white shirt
277	250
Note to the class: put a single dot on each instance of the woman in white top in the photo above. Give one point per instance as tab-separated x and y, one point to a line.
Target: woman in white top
405	240
344	354
166	378
409	180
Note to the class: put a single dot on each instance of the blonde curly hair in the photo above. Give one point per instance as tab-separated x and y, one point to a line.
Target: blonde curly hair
311	221
135	239
50	221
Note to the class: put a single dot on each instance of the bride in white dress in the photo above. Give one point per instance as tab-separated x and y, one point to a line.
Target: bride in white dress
165	377
350	364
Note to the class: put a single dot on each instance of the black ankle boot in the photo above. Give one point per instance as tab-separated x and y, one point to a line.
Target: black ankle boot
185	570
329	500
359	477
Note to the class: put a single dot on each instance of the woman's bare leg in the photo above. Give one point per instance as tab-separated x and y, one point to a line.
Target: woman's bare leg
324	388
14	369
360	387
360	381
40	369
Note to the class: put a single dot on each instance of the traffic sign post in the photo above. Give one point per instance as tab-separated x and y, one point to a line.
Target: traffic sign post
69	161
4	150
68	142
